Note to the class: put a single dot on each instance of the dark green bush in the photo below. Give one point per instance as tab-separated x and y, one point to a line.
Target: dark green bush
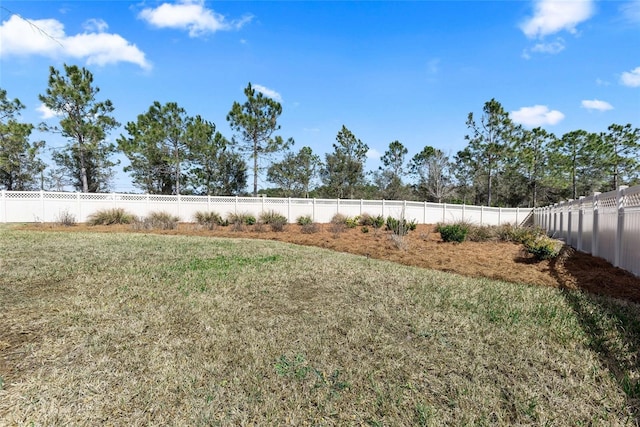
453	232
352	222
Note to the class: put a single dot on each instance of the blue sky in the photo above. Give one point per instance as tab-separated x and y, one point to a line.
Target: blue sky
407	71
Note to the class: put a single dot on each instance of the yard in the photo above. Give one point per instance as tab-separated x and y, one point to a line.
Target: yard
233	328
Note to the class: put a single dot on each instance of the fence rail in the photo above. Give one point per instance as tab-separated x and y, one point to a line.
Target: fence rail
605	225
42	206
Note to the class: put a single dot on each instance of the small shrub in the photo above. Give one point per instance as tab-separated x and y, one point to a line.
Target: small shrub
304	220
163	220
66	218
366	220
479	233
242	218
453	232
209	219
271	217
400	227
378	222
365	229
110	217
543	247
339	219
310	228
352	222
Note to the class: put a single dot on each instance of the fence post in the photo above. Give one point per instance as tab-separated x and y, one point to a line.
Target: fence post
595	238
444	213
499	216
463	207
360	207
289	209
481	215
383	208
620	203
424	212
580	222
338	205
569	222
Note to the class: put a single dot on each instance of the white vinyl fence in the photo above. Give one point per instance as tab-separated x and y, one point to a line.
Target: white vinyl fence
41	206
606	225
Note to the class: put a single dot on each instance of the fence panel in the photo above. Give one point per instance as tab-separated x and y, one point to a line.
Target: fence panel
34	206
605	225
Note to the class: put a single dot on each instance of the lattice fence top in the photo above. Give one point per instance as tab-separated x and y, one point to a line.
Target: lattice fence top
632	198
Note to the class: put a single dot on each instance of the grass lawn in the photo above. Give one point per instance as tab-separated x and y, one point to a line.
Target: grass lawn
134	329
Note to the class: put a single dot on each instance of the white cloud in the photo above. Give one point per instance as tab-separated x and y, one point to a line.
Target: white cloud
552	16
596	104
537	115
631	11
45	112
95	25
190	15
601	82
268	92
373	154
631	78
550	48
46	37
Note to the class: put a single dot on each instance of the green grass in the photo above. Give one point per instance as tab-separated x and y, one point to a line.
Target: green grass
131	329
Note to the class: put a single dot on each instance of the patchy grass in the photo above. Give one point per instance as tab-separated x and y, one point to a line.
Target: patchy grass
130	329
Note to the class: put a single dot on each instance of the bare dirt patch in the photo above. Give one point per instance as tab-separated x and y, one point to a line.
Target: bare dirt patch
424	248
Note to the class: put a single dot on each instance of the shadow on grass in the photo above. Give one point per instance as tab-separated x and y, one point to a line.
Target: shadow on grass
612	327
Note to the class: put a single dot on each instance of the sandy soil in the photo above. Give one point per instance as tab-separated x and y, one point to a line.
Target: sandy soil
424	248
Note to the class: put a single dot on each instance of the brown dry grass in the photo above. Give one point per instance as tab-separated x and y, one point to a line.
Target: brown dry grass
142	329
424	248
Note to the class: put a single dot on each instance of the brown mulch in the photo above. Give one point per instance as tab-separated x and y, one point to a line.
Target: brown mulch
424	248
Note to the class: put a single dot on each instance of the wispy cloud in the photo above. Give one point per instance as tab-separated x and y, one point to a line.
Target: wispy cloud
550	48
601	82
553	16
45	112
537	115
631	78
268	92
631	11
596	104
191	15
47	37
95	25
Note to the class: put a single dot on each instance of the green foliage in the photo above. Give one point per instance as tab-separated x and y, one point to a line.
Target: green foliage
209	219
352	222
543	247
365	229
512	233
157	221
110	217
400	227
343	171
19	162
255	122
304	220
85	122
453	232
295	172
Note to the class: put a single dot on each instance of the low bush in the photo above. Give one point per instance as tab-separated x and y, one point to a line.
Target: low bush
110	217
513	233
400	227
543	247
209	219
366	220
66	218
156	220
479	233
352	222
242	218
456	233
275	220
310	228
304	220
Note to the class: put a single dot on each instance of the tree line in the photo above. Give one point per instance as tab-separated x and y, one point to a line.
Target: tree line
171	152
